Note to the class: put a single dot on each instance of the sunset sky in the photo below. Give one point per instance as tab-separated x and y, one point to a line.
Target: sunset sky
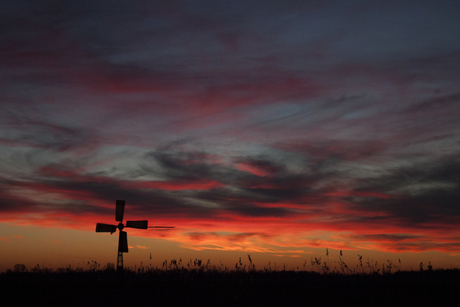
271	128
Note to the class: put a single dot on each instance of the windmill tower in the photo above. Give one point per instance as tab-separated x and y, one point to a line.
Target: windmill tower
123	239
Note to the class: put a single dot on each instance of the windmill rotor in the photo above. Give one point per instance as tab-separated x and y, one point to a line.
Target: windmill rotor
138	224
119	210
106	228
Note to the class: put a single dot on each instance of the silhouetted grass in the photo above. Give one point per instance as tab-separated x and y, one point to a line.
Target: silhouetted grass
198	283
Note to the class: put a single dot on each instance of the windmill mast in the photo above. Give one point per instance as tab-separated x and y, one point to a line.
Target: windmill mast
119	212
122	247
120	261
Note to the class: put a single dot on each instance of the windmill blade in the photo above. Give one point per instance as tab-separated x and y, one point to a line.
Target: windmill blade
138	224
162	227
120	210
105	228
123	242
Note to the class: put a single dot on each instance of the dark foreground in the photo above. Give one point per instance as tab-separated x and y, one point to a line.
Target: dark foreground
233	288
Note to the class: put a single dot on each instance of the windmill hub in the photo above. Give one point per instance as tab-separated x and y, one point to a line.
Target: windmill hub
120	226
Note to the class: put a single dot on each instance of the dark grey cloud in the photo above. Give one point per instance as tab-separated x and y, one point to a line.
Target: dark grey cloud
346	150
183	166
423	247
386	237
420	195
240	194
282	185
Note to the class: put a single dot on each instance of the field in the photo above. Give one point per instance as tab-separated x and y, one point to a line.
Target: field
203	286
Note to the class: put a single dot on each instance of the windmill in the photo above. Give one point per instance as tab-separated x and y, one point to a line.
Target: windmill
123	239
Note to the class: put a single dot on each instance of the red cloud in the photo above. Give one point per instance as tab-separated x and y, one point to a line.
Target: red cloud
173	185
250	168
222	227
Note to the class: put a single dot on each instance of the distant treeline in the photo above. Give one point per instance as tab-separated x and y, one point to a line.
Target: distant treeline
202	286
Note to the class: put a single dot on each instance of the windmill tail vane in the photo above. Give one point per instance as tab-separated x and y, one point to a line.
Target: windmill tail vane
123	238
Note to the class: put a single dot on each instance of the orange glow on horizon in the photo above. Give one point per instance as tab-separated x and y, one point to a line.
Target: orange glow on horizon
50	245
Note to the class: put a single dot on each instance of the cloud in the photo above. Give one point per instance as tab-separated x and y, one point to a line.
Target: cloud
267	123
259	167
348	150
425	192
402	204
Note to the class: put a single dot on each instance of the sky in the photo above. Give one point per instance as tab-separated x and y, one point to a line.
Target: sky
271	128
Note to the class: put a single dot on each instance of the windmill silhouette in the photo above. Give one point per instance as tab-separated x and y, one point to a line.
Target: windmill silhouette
123	239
